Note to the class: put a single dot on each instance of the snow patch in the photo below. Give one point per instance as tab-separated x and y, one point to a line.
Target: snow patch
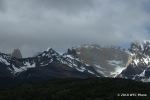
118	69
136	61
146	60
28	65
90	72
142	74
98	66
81	69
48	49
4	61
114	62
69	56
17	70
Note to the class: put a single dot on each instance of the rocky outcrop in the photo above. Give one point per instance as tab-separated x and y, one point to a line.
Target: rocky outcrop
16	53
138	67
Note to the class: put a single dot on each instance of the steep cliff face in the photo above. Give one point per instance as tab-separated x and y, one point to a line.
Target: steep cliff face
107	60
16	53
138	67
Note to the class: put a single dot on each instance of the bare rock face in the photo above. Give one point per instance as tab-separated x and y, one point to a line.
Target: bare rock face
139	66
108	60
16	53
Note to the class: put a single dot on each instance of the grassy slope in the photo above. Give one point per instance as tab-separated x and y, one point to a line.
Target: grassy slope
77	89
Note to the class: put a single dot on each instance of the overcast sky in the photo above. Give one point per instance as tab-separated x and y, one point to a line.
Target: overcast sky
34	25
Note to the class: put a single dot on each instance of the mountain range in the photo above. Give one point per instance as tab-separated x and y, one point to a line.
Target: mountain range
85	61
49	64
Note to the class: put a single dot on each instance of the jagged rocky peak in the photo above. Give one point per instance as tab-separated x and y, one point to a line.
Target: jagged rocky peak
138	63
16	53
72	52
140	53
49	53
140	48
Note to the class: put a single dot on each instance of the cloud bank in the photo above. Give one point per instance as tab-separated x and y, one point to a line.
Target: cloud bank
33	25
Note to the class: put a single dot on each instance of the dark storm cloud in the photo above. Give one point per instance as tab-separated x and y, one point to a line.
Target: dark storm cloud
146	5
70	6
34	25
1	5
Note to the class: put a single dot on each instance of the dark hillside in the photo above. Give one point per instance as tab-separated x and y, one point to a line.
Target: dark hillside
78	89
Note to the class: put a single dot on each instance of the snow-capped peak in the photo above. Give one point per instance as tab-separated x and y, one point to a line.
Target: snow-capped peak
49	53
146	41
48	49
71	59
46	59
139	61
